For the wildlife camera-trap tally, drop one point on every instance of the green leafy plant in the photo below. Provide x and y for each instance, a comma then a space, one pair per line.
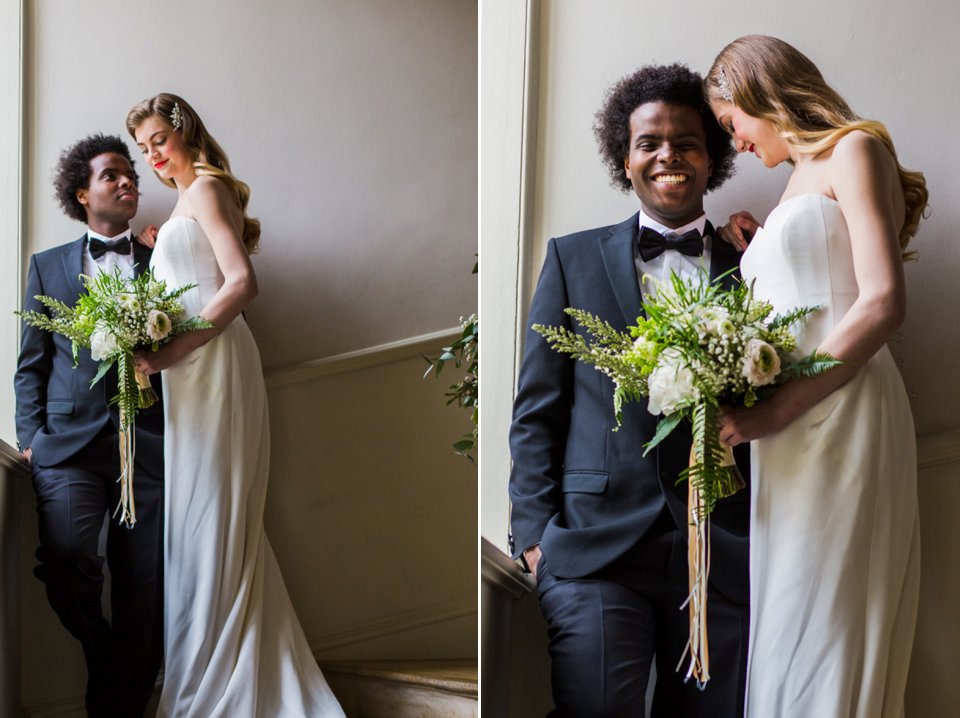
463, 355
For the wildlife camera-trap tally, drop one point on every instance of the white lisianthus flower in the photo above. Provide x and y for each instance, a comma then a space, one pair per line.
711, 317
645, 348
761, 363
726, 328
158, 325
103, 343
670, 384
129, 302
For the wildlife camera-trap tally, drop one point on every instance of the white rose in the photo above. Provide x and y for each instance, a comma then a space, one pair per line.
761, 363
670, 384
103, 343
158, 325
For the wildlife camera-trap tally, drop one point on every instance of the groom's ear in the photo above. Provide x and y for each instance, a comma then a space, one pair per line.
82, 196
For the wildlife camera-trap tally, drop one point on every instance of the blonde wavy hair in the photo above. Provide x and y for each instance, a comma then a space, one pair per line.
772, 80
208, 157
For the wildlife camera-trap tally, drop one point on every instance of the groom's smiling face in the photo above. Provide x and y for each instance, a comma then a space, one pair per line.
668, 164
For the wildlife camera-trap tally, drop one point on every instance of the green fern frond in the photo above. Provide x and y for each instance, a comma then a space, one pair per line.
791, 317
707, 473
813, 364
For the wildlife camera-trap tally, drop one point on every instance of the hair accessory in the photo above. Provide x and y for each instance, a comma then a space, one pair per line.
176, 117
722, 85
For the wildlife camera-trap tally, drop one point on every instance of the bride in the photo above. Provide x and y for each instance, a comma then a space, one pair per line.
233, 644
835, 552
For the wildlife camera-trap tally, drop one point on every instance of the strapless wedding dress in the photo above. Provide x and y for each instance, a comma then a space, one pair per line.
834, 534
234, 647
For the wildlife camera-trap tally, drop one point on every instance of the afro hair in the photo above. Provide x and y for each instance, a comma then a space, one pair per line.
73, 170
675, 84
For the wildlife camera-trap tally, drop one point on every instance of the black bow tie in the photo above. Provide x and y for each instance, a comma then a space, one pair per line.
653, 244
98, 247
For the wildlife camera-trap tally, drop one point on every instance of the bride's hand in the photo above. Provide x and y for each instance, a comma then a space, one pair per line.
166, 356
148, 237
740, 424
150, 362
739, 230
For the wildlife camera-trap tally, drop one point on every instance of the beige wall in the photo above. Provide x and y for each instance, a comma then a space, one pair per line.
932, 689
355, 125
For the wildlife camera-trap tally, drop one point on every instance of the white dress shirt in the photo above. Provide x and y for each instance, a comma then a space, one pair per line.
109, 260
659, 267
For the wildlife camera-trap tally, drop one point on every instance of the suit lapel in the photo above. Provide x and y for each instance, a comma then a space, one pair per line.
723, 257
616, 249
73, 265
141, 257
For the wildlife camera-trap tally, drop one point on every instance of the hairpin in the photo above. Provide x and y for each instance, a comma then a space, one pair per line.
176, 117
722, 85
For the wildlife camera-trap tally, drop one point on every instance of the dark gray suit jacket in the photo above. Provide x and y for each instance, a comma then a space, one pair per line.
583, 492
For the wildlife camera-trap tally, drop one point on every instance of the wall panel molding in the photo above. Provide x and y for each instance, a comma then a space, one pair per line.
393, 623
936, 449
361, 359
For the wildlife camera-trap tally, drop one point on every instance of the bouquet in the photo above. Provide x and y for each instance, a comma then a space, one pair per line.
114, 317
697, 347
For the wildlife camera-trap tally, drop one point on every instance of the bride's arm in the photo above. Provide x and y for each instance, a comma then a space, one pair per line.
211, 204
865, 181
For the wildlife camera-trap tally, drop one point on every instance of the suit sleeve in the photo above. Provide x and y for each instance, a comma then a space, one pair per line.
541, 413
33, 366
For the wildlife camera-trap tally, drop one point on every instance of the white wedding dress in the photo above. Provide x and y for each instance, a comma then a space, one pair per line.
834, 535
234, 647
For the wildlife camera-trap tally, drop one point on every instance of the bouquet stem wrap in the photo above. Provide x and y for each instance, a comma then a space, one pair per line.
712, 474
126, 508
140, 395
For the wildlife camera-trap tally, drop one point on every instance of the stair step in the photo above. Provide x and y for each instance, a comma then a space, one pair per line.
405, 689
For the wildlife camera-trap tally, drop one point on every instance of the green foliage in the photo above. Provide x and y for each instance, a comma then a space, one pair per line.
813, 364
708, 473
463, 353
114, 311
698, 345
610, 352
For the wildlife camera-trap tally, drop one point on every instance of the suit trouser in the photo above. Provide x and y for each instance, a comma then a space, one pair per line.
606, 630
123, 656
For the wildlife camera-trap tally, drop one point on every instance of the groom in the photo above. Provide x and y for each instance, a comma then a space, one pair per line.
68, 436
602, 527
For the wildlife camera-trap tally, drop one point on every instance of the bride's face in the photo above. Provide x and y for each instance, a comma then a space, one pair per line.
751, 134
163, 148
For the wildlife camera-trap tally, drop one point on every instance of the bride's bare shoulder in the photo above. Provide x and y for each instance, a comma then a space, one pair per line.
206, 193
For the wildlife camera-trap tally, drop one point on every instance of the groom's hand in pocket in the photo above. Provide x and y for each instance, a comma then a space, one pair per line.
531, 557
